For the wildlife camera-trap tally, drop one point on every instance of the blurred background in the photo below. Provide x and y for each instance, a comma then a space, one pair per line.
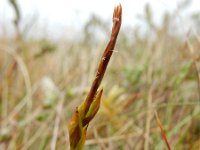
49, 52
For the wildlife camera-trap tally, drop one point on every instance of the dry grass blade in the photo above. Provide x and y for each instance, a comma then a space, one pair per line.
88, 109
162, 130
194, 62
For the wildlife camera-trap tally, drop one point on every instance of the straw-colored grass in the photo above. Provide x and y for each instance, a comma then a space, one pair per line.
153, 69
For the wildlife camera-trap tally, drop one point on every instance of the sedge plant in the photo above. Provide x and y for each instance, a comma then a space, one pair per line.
86, 111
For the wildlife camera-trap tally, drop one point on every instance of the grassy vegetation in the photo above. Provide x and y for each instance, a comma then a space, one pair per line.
42, 82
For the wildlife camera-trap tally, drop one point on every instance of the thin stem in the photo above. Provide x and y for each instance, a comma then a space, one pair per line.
117, 17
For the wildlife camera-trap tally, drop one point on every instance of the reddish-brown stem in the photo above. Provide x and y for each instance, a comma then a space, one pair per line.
117, 17
162, 131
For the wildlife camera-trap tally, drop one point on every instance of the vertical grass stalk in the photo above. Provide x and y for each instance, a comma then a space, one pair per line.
86, 111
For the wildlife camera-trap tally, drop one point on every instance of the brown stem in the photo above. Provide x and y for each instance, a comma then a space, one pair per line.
117, 18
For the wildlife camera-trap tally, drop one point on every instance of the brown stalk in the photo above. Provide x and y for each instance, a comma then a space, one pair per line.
117, 18
162, 131
86, 111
